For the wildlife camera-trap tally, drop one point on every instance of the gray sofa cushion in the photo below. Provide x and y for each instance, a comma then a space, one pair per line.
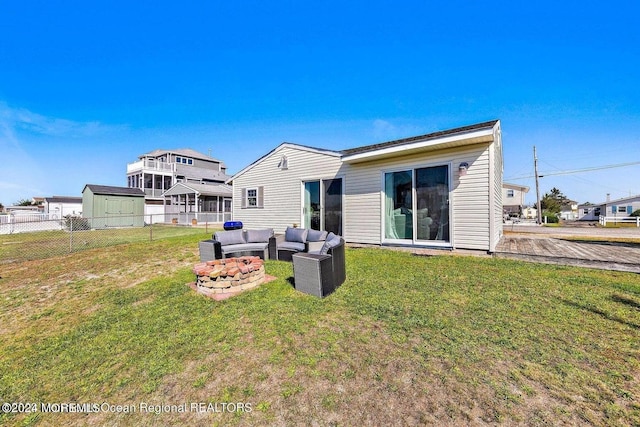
292, 246
244, 247
296, 234
231, 237
259, 236
331, 242
316, 236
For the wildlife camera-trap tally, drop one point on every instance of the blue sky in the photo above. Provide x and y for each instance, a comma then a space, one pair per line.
87, 86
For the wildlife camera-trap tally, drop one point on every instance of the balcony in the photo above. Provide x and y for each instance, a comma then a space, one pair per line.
150, 165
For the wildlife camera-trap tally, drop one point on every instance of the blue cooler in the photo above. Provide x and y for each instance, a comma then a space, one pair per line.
232, 225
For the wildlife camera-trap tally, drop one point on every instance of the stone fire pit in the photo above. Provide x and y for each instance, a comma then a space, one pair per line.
226, 277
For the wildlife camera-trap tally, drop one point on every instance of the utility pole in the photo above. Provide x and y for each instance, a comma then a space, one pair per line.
535, 169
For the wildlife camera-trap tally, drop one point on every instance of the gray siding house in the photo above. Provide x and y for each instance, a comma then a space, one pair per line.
620, 208
442, 189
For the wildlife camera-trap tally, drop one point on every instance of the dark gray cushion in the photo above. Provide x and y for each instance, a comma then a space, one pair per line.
296, 234
331, 242
316, 236
244, 247
232, 237
292, 246
259, 236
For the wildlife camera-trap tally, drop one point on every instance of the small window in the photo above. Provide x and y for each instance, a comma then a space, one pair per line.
510, 193
596, 211
189, 161
178, 159
252, 197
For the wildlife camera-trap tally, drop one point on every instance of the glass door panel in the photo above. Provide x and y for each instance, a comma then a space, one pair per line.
312, 205
432, 203
398, 205
332, 205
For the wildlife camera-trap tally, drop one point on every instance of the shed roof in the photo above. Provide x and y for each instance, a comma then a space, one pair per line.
114, 191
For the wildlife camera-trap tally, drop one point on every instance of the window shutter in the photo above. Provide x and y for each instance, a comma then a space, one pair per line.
614, 209
260, 197
629, 209
244, 198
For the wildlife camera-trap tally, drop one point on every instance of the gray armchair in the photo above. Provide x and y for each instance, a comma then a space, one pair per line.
321, 273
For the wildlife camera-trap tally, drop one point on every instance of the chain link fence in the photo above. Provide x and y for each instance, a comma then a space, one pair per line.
37, 236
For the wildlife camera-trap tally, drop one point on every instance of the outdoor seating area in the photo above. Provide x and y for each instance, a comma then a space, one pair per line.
318, 257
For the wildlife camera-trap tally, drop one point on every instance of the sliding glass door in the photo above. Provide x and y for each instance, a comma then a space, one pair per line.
416, 207
322, 208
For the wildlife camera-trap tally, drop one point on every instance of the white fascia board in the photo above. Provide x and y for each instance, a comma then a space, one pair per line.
484, 135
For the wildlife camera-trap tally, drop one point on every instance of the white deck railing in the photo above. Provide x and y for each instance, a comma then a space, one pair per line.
604, 220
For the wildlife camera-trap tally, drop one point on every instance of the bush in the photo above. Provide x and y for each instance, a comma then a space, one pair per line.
635, 213
551, 218
76, 223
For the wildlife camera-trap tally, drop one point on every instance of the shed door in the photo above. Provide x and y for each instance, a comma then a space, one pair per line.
119, 212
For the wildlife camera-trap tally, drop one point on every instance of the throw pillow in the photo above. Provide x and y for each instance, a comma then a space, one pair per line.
331, 242
316, 236
296, 234
259, 236
232, 237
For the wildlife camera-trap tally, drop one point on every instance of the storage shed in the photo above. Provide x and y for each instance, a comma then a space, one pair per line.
108, 207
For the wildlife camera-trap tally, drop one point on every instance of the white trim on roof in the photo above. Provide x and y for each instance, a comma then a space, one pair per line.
469, 138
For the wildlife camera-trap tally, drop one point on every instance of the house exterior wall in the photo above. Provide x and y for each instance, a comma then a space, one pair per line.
619, 208
470, 195
282, 189
496, 165
475, 199
516, 200
62, 209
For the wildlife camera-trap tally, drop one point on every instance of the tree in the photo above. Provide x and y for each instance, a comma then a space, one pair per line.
553, 201
23, 202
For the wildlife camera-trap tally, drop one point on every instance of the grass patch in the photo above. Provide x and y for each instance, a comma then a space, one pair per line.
440, 340
45, 244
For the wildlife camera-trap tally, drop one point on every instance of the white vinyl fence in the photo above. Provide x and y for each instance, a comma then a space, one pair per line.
604, 220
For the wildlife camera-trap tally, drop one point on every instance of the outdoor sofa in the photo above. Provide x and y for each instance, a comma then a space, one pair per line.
238, 243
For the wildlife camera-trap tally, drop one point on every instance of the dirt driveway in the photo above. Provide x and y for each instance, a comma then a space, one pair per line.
551, 245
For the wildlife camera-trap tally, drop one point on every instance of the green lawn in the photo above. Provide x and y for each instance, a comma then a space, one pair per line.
406, 340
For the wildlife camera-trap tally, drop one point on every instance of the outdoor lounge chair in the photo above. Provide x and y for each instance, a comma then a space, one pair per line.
322, 272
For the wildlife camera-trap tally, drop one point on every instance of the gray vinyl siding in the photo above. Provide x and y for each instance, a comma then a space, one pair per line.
282, 189
469, 202
496, 197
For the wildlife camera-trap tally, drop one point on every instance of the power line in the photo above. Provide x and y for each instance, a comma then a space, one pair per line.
569, 172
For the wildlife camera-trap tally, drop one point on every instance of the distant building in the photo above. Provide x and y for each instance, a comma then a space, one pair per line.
181, 180
623, 207
530, 213
513, 198
61, 206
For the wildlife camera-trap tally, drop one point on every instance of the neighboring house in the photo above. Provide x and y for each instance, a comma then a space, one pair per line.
107, 206
513, 198
530, 213
59, 206
611, 208
569, 211
158, 172
443, 189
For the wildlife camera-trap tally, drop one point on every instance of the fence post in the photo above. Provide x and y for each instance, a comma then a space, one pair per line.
151, 228
70, 234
